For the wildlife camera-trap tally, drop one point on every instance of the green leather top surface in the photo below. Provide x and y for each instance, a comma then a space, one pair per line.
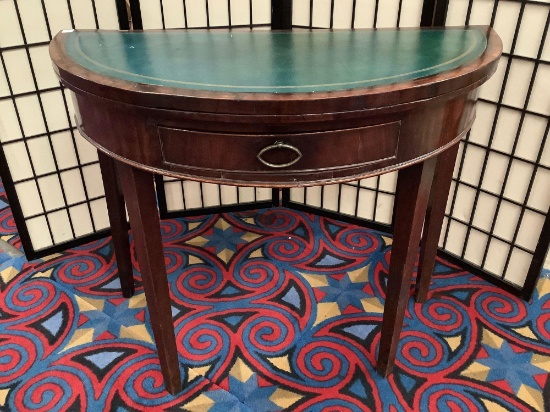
274, 62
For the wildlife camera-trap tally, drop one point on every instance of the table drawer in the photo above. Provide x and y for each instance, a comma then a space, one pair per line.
188, 149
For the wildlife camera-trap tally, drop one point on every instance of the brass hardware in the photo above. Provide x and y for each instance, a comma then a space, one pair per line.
279, 145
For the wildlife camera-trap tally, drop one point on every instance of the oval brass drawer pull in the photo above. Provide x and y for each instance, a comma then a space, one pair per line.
279, 145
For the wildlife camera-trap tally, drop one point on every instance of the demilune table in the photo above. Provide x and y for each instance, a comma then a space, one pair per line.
276, 109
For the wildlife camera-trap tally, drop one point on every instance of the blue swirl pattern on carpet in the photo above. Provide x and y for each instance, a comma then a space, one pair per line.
273, 309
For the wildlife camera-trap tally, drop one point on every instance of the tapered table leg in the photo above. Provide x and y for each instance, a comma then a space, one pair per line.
435, 213
119, 226
139, 192
413, 189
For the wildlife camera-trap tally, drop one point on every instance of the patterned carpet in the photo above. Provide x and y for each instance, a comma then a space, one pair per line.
273, 309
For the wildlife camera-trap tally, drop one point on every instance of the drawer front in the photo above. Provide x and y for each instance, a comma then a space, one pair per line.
284, 153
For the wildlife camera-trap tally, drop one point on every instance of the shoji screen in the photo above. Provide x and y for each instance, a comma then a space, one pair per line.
370, 199
55, 174
181, 197
501, 190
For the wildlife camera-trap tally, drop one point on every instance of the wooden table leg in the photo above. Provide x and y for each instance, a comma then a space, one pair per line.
139, 192
119, 226
435, 213
413, 189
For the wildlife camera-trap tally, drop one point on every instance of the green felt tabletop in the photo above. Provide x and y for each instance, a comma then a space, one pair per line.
274, 62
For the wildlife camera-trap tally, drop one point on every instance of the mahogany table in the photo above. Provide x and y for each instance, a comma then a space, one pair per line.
276, 109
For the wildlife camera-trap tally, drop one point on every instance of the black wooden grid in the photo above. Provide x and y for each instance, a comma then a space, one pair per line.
434, 13
38, 179
512, 158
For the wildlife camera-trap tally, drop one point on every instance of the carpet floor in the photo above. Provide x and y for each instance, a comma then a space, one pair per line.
273, 309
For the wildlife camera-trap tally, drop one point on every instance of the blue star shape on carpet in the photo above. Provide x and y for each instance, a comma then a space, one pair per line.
344, 292
123, 313
224, 239
225, 402
112, 318
252, 395
515, 368
100, 323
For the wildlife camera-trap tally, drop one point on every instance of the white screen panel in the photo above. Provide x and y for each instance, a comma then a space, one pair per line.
313, 196
174, 19
29, 198
240, 12
34, 21
83, 14
246, 194
42, 64
61, 226
486, 209
82, 222
192, 194
531, 30
210, 195
263, 194
481, 12
300, 12
261, 12
71, 179
10, 32
151, 14
531, 138
58, 15
456, 237
477, 242
107, 14
52, 102
494, 173
539, 197
92, 179
520, 173
540, 98
342, 14
18, 161
495, 261
330, 197
218, 11
505, 23
39, 232
367, 203
63, 149
52, 194
518, 83
19, 71
411, 11
321, 13
506, 129
526, 238
99, 213
297, 194
519, 265
348, 199
174, 195
481, 129
387, 13
9, 126
365, 14
507, 220
41, 155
